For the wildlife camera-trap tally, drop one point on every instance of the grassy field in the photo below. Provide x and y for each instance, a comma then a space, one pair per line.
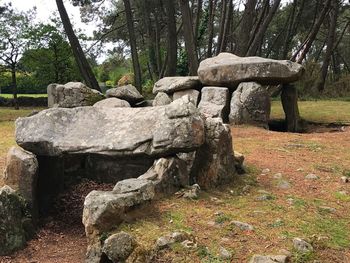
317, 210
327, 111
10, 96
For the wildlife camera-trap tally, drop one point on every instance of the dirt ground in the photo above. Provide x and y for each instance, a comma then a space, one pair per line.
317, 210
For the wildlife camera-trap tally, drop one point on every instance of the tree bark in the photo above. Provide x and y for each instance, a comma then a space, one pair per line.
198, 19
227, 26
308, 43
172, 39
246, 27
212, 4
222, 25
83, 65
333, 15
189, 37
133, 47
289, 98
262, 30
14, 86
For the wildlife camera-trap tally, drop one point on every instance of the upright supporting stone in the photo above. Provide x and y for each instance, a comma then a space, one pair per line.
15, 225
215, 102
289, 98
250, 104
21, 174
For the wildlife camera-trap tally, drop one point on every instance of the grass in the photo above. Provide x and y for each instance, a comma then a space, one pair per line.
324, 111
10, 96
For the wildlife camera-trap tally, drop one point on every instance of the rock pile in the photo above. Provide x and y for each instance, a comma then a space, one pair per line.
225, 78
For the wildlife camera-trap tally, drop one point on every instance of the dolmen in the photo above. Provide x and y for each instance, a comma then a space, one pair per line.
233, 88
147, 149
147, 152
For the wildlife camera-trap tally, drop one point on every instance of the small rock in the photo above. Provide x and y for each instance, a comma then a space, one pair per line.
327, 209
188, 244
193, 192
311, 177
170, 239
300, 170
118, 247
283, 184
242, 225
277, 176
265, 197
301, 245
163, 242
265, 171
344, 179
269, 259
225, 254
216, 200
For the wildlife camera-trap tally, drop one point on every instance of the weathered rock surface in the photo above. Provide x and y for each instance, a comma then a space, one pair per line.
194, 95
71, 95
105, 210
250, 104
112, 103
21, 173
242, 225
15, 225
301, 245
215, 102
171, 84
176, 237
118, 247
127, 92
152, 131
142, 187
214, 163
161, 99
168, 175
229, 70
239, 160
269, 259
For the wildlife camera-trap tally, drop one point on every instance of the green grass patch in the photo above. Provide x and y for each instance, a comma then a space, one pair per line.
336, 231
10, 96
323, 111
10, 114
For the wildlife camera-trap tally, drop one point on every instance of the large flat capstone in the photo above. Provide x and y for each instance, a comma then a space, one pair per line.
152, 131
229, 70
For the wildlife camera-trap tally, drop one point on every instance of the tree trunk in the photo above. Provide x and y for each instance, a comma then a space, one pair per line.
198, 19
333, 15
189, 37
151, 37
308, 43
246, 27
212, 4
262, 30
227, 27
133, 47
222, 25
289, 98
289, 26
83, 65
172, 39
14, 87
